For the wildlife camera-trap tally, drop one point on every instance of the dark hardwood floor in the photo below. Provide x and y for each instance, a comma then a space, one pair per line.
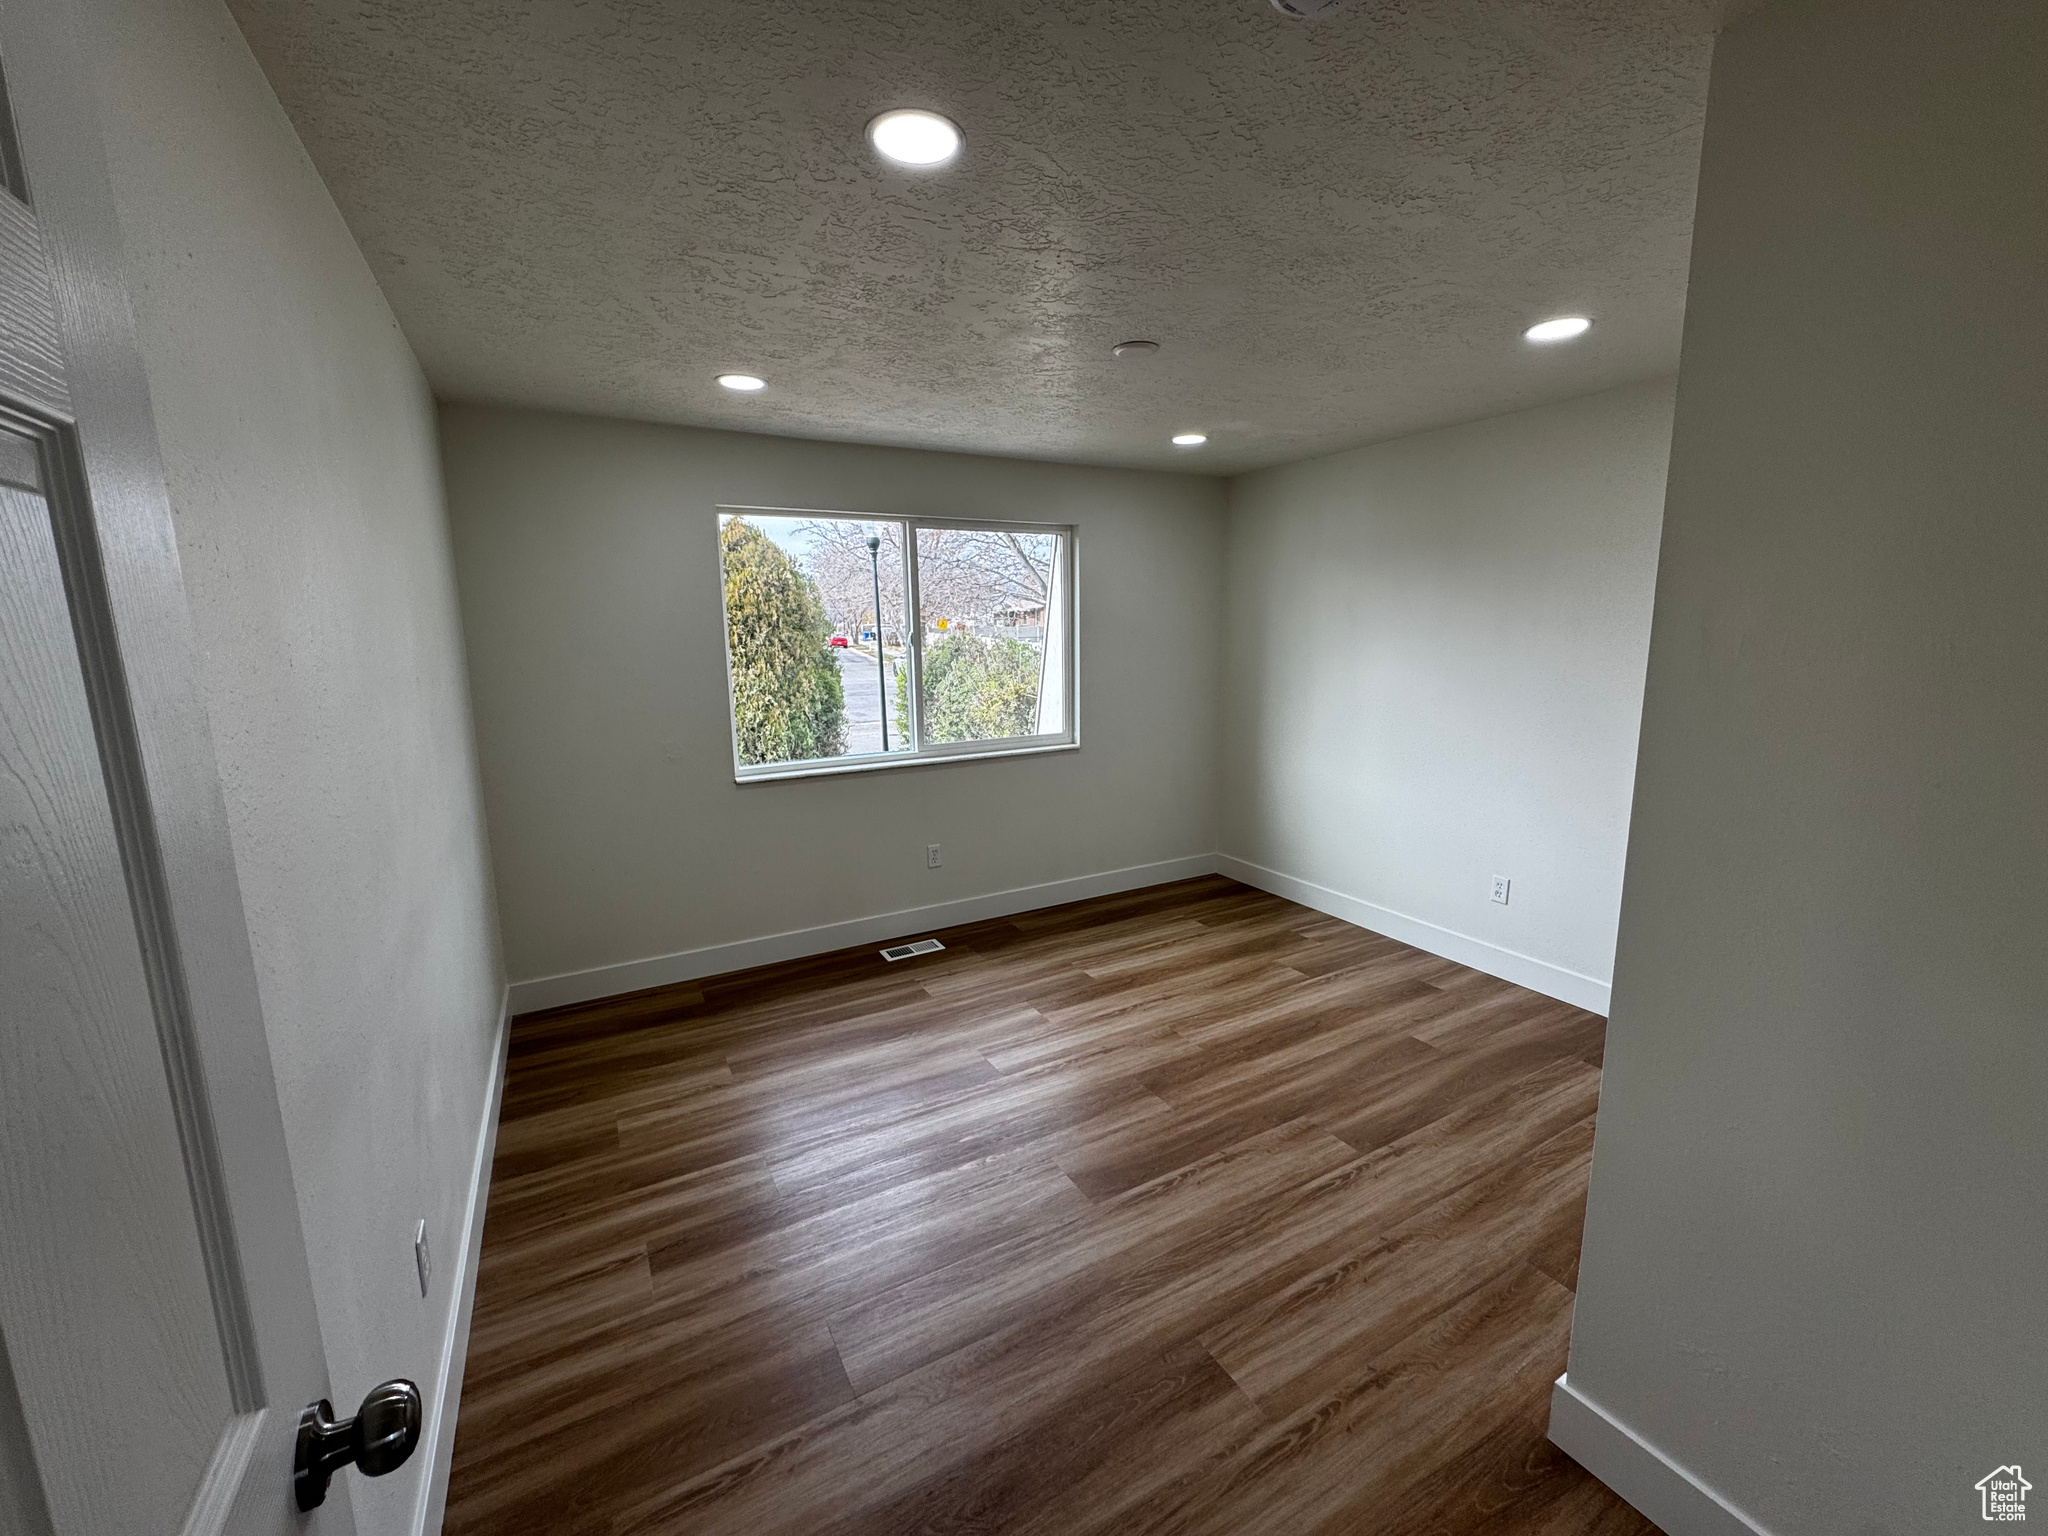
1189, 1210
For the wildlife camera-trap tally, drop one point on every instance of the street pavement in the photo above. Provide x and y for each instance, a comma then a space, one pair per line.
863, 702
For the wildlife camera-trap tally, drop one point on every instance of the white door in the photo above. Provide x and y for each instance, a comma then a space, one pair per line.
158, 1341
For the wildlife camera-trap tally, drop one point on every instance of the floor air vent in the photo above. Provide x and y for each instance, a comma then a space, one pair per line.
905, 951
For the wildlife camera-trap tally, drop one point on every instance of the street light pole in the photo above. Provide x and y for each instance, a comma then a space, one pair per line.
881, 666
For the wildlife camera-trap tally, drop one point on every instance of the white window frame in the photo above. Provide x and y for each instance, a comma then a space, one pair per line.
921, 753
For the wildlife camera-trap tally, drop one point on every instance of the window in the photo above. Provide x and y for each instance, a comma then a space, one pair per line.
860, 642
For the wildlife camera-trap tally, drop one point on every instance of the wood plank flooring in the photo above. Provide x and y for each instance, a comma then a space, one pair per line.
1184, 1211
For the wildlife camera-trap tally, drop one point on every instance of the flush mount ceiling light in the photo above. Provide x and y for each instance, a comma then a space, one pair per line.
1563, 328
1189, 439
745, 383
1134, 351
911, 137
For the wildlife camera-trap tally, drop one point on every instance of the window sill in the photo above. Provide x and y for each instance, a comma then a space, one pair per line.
885, 765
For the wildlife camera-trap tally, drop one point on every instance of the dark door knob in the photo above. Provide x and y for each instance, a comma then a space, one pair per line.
378, 1439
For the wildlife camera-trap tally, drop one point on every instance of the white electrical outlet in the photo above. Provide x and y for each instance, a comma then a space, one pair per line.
422, 1260
931, 856
1500, 889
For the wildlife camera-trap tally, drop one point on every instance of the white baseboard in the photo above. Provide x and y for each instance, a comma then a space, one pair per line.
1659, 1488
717, 959
1509, 965
439, 1433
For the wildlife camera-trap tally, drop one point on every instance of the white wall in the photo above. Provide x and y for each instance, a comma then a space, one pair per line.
1816, 1264
588, 557
298, 436
1435, 672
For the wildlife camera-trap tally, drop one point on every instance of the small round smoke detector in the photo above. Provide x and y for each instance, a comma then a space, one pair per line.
1134, 351
1308, 10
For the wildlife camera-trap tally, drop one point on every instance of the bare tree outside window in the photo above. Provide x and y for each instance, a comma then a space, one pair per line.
836, 555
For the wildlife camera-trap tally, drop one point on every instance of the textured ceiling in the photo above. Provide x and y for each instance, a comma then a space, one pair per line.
1336, 229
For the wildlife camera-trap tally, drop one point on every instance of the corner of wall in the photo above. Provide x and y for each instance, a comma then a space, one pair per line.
1676, 1501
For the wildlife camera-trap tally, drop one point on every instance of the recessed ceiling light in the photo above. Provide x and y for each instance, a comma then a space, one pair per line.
1134, 351
910, 137
745, 383
1563, 328
1189, 439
